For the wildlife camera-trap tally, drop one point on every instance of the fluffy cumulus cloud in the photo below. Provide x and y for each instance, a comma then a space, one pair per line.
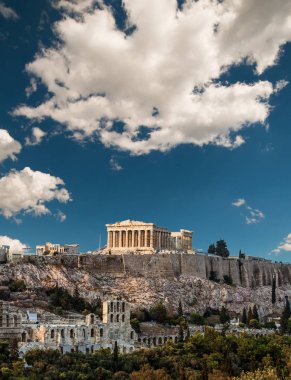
284, 246
37, 136
160, 76
15, 245
28, 191
7, 12
8, 146
250, 214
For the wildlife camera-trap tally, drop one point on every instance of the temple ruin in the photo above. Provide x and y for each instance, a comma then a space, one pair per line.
132, 236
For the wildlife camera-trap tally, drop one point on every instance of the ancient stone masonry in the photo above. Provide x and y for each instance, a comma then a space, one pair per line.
10, 322
246, 273
131, 235
82, 334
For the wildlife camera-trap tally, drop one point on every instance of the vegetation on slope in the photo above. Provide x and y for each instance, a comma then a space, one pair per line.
210, 357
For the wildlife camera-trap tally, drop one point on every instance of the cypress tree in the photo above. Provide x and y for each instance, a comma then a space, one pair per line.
115, 356
181, 334
250, 315
285, 316
180, 309
273, 290
244, 317
255, 313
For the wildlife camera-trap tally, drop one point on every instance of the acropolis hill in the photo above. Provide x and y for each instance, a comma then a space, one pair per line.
143, 263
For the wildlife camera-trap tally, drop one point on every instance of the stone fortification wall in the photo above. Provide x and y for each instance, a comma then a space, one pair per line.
247, 273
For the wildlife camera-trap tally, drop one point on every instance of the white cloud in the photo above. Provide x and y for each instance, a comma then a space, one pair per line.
255, 216
115, 165
285, 245
15, 245
8, 146
239, 202
7, 12
31, 88
28, 191
251, 215
164, 76
36, 137
61, 217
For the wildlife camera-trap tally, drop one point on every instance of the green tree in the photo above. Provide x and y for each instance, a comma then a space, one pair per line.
181, 334
244, 317
250, 315
197, 319
115, 355
255, 313
273, 290
158, 312
180, 309
285, 316
211, 249
223, 315
221, 248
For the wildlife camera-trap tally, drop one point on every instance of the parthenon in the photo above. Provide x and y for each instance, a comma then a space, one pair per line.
131, 235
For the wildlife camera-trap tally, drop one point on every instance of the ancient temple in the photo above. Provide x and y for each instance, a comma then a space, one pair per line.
132, 236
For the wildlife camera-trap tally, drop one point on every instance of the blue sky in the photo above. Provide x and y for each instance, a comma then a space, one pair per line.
146, 112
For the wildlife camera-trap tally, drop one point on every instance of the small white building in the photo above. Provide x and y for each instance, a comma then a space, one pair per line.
52, 248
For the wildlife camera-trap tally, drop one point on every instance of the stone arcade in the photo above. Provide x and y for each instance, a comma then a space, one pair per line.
132, 236
82, 334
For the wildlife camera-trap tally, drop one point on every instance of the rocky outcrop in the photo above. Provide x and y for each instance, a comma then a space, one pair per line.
150, 281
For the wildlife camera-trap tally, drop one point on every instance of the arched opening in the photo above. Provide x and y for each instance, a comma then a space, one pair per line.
84, 333
176, 339
131, 335
117, 306
154, 341
122, 317
144, 340
123, 307
62, 333
160, 340
111, 318
92, 349
72, 334
117, 318
7, 320
92, 319
101, 333
111, 307
15, 320
52, 334
149, 341
92, 333
87, 350
23, 337
165, 339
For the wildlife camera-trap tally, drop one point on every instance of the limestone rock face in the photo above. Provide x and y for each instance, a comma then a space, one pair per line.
196, 293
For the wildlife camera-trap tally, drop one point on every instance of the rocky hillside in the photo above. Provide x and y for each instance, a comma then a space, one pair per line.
195, 293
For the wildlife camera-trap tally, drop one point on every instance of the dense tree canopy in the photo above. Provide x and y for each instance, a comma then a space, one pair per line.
212, 356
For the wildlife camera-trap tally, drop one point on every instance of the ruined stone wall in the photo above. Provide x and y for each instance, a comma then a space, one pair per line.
247, 273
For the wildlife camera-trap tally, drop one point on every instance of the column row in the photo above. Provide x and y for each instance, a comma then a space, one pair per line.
129, 238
